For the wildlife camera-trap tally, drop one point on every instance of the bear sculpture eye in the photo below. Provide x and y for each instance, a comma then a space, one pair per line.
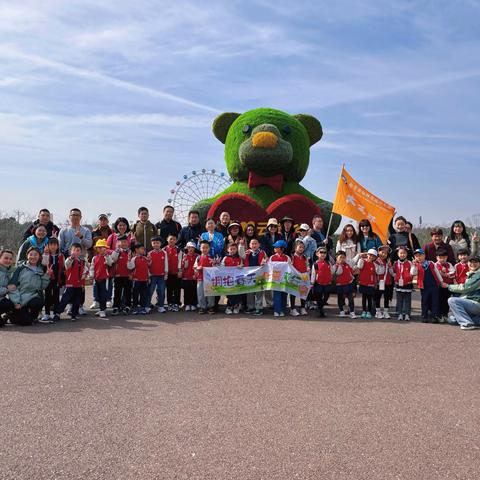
286, 129
247, 129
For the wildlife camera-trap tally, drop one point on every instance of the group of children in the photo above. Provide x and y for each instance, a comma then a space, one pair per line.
137, 275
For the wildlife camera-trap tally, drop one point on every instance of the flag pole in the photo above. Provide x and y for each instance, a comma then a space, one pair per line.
333, 205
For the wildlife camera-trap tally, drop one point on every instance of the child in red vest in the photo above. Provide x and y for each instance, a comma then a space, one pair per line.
139, 265
122, 293
447, 271
99, 271
321, 279
385, 282
255, 257
279, 298
76, 271
232, 259
301, 264
403, 270
369, 270
55, 263
202, 261
343, 275
461, 268
189, 282
429, 282
158, 267
174, 257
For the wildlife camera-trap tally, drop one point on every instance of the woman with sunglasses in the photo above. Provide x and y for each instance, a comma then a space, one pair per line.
367, 238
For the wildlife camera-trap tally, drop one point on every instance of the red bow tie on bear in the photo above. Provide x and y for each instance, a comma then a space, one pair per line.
275, 182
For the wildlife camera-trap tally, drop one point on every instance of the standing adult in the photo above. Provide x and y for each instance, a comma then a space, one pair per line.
103, 231
402, 238
437, 244
191, 232
223, 223
458, 238
75, 233
270, 236
288, 233
250, 233
235, 235
38, 240
214, 238
318, 234
367, 238
143, 229
348, 243
120, 227
44, 218
168, 226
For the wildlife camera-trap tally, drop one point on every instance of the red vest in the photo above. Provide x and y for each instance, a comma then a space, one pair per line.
73, 275
387, 275
421, 274
248, 254
346, 277
279, 257
121, 269
141, 269
367, 276
323, 272
300, 263
203, 261
402, 270
461, 270
229, 261
157, 262
188, 264
172, 256
100, 268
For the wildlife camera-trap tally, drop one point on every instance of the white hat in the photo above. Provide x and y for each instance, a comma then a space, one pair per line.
372, 251
190, 244
304, 226
272, 221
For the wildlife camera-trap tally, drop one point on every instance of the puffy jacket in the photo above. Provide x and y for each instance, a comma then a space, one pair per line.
30, 281
5, 276
143, 233
471, 288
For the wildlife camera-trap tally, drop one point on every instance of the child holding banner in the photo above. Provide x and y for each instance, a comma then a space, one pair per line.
255, 257
404, 271
203, 260
369, 270
232, 259
321, 279
343, 276
299, 262
279, 298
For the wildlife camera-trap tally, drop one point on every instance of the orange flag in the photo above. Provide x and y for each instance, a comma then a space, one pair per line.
355, 201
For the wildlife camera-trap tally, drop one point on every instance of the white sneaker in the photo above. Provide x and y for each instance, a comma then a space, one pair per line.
385, 313
161, 310
294, 312
228, 311
102, 314
352, 315
82, 311
45, 319
276, 314
94, 306
109, 304
378, 314
187, 308
342, 314
193, 308
236, 309
281, 314
407, 318
400, 317
147, 309
303, 311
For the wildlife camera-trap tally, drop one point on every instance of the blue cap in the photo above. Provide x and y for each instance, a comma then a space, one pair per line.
280, 244
421, 251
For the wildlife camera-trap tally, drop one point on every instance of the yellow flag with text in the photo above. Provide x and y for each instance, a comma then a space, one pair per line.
355, 201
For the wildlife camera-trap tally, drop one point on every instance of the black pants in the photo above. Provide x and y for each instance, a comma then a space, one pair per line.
73, 295
320, 293
190, 292
5, 306
292, 302
52, 296
101, 286
140, 294
341, 301
387, 295
28, 313
122, 293
367, 303
173, 290
443, 296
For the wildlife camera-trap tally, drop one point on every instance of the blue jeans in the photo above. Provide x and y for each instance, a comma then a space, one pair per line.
102, 293
157, 282
465, 311
109, 291
279, 301
404, 303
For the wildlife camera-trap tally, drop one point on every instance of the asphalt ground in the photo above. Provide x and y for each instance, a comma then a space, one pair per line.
183, 396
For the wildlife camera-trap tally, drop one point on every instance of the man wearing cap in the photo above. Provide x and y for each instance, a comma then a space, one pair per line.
466, 307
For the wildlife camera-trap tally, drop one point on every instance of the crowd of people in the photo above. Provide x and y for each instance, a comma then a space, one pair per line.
131, 265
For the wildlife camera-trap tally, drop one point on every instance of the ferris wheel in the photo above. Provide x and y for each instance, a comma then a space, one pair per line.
193, 187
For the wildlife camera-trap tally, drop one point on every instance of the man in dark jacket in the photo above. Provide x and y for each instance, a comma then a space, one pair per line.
168, 226
43, 219
436, 244
192, 232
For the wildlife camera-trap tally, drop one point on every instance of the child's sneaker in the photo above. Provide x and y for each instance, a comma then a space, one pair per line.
276, 314
202, 311
363, 315
470, 326
135, 311
115, 312
294, 312
109, 304
368, 316
342, 313
73, 318
378, 313
257, 313
400, 318
187, 308
82, 311
236, 309
175, 308
126, 310
146, 310
407, 318
94, 306
228, 311
212, 311
56, 318
45, 319
352, 315
102, 314
193, 308
161, 310
385, 313
281, 314
303, 311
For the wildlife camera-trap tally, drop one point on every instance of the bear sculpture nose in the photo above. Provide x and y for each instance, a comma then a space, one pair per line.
264, 140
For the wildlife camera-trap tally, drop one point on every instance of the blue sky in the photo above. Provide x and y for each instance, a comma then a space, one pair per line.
106, 106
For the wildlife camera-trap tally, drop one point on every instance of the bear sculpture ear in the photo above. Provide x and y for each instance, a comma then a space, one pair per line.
313, 126
222, 124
